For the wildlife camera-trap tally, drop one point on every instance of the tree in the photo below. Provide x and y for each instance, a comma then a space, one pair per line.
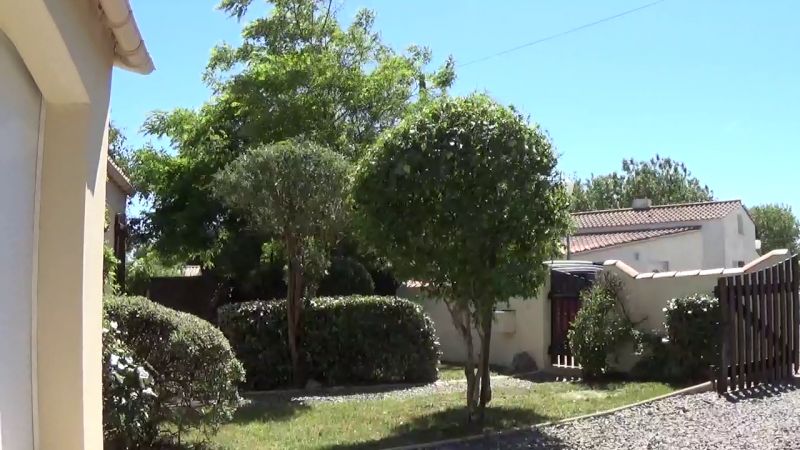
662, 180
118, 149
777, 227
463, 194
294, 190
298, 73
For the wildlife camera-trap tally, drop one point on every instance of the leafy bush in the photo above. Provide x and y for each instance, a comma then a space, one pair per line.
194, 369
346, 340
128, 396
346, 276
600, 326
690, 345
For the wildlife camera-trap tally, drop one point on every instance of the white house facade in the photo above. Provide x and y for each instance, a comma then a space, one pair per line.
669, 237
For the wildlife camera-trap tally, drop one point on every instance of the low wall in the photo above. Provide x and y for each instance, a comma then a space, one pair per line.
523, 325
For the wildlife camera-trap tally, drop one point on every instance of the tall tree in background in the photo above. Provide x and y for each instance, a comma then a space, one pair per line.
293, 191
662, 180
298, 73
464, 196
777, 227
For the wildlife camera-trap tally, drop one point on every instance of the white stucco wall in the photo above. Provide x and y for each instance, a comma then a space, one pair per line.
739, 246
20, 109
682, 251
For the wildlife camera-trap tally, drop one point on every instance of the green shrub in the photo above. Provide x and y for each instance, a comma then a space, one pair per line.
194, 369
346, 276
128, 396
346, 340
600, 326
691, 343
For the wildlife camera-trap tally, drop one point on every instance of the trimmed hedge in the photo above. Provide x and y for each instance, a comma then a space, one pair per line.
194, 370
346, 340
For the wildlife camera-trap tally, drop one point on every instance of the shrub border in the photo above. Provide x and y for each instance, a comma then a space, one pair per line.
696, 389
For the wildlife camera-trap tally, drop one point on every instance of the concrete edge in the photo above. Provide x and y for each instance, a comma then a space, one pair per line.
696, 389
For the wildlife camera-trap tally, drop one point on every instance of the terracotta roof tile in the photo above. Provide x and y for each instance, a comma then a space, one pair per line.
687, 212
594, 241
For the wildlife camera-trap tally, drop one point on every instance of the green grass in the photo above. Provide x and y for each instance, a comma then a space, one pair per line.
451, 371
392, 422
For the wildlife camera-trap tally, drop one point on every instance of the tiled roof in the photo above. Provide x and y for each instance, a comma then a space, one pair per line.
585, 242
687, 212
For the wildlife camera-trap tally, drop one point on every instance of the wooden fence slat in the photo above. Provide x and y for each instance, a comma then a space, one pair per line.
772, 273
755, 328
723, 373
748, 330
788, 317
784, 324
742, 308
795, 290
768, 323
762, 291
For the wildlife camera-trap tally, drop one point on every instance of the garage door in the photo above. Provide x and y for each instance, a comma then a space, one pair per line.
20, 103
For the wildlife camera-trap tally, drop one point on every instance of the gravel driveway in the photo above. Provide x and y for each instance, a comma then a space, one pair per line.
767, 419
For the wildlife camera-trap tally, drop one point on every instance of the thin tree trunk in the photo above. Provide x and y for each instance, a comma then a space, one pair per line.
462, 321
294, 308
483, 369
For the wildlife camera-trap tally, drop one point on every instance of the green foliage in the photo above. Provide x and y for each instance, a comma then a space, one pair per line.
346, 276
662, 180
464, 194
110, 263
118, 149
300, 72
777, 227
600, 326
348, 340
128, 396
193, 367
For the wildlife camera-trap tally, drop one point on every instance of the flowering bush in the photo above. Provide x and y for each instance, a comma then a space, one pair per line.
692, 324
128, 395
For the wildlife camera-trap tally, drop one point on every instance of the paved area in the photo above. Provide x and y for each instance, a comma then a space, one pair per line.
768, 418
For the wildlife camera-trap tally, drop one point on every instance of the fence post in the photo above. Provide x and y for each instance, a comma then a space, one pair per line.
722, 373
795, 299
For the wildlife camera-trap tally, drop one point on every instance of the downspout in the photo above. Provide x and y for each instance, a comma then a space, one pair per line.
130, 50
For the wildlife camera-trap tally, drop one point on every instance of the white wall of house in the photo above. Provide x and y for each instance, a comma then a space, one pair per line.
739, 241
679, 252
20, 109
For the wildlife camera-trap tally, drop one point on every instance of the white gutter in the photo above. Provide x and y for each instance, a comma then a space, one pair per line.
131, 53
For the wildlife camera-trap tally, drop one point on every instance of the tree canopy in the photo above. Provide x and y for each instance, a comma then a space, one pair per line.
777, 227
299, 73
662, 180
463, 195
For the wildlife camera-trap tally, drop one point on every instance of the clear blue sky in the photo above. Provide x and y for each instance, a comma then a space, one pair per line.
713, 84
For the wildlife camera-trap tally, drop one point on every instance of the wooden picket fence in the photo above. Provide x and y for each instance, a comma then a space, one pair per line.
760, 327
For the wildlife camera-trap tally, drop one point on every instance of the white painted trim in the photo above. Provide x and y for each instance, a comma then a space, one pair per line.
35, 276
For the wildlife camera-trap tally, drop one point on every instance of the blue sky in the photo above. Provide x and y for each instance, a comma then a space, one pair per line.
713, 84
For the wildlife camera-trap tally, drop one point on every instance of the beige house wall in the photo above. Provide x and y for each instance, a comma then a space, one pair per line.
680, 252
69, 54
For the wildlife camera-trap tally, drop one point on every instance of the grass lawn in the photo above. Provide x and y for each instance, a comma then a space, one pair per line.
381, 423
450, 371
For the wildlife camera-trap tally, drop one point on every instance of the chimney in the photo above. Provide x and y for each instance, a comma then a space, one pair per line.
641, 204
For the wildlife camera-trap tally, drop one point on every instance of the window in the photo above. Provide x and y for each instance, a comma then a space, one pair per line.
740, 223
738, 263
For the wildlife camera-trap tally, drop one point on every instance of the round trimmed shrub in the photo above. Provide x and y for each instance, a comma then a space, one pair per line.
194, 370
346, 276
128, 396
347, 340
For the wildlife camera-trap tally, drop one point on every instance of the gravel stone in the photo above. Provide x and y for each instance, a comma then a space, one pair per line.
766, 418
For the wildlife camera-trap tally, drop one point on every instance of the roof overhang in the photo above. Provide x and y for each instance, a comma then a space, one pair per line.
129, 48
118, 177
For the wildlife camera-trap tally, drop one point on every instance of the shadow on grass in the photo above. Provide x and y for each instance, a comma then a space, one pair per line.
260, 410
452, 423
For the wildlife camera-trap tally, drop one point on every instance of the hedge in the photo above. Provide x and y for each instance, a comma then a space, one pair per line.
195, 372
347, 340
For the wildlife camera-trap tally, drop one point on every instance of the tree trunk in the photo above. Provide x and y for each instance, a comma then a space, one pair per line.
294, 309
483, 369
462, 321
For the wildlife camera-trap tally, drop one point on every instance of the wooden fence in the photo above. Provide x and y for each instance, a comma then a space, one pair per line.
760, 327
565, 301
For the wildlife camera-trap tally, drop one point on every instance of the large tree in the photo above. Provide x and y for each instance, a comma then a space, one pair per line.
464, 196
298, 73
662, 180
295, 191
777, 227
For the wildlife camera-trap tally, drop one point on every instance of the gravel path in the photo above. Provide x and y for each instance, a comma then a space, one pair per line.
372, 393
768, 419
